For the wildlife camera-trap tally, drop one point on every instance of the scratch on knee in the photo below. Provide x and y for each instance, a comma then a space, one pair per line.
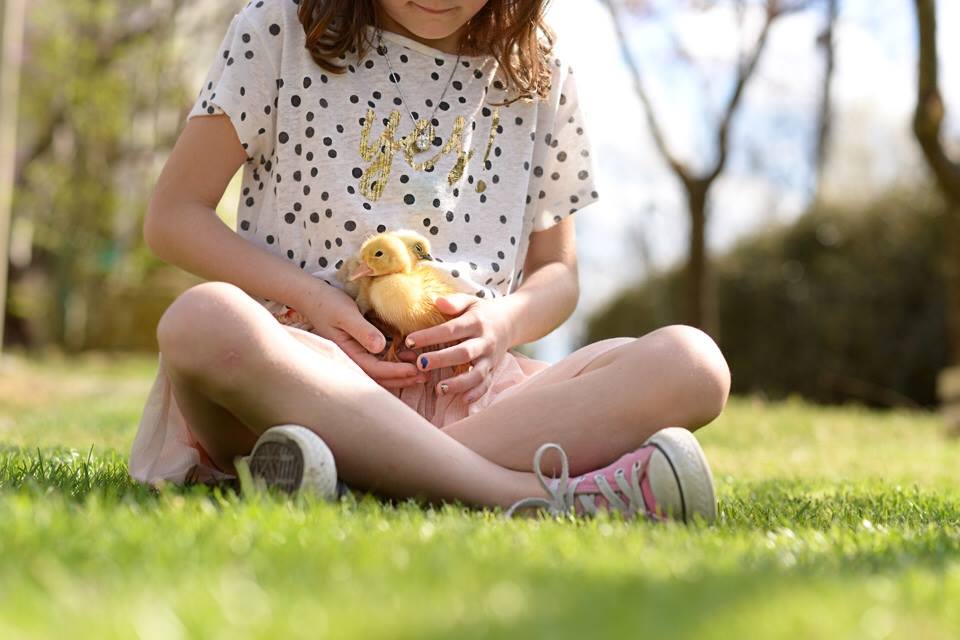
230, 358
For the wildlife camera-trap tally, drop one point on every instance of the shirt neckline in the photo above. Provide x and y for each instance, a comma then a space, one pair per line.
415, 45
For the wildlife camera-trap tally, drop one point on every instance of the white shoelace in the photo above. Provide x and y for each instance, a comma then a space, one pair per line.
560, 498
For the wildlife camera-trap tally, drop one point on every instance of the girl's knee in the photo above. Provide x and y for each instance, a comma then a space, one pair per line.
704, 375
204, 327
217, 335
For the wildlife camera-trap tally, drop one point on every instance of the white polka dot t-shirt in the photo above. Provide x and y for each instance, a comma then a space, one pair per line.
328, 163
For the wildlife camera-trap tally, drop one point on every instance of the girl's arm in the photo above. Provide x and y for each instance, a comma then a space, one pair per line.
550, 289
182, 227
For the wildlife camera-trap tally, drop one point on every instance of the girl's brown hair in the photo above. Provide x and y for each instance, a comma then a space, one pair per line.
512, 31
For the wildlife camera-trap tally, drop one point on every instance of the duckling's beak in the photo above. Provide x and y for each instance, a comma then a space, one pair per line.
427, 256
362, 270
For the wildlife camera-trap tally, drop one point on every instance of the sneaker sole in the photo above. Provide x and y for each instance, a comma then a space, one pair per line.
293, 458
687, 470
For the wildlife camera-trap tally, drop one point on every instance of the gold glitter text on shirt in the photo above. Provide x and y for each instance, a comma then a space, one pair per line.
380, 153
481, 184
493, 134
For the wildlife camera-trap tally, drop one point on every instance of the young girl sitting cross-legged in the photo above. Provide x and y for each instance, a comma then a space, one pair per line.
454, 119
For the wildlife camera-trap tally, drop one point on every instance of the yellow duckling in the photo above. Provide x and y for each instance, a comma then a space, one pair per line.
399, 285
417, 245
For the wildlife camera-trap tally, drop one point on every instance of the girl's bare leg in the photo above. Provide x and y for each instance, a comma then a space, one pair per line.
675, 376
230, 438
229, 357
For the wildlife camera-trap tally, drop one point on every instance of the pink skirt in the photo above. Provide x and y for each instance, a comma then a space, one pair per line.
165, 448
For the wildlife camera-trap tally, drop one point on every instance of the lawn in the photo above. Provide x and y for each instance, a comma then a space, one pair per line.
834, 523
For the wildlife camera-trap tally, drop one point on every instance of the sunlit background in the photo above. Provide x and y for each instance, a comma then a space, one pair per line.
688, 58
94, 134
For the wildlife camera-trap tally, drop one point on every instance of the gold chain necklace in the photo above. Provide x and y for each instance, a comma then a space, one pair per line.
423, 131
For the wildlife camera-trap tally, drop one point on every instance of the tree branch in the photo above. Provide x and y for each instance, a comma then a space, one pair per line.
138, 25
655, 130
825, 117
40, 145
142, 25
929, 114
745, 71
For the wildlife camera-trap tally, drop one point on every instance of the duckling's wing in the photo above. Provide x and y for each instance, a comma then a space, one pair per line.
435, 284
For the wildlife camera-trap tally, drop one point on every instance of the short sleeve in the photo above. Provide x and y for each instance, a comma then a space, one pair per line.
242, 83
561, 182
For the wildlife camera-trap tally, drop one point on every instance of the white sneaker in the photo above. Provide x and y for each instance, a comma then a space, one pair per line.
667, 477
294, 458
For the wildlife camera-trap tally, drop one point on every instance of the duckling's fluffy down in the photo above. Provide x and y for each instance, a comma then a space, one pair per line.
408, 300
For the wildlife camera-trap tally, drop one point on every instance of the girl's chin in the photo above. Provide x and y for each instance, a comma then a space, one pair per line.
436, 35
433, 26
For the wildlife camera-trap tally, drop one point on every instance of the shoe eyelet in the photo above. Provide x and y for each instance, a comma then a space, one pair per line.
620, 473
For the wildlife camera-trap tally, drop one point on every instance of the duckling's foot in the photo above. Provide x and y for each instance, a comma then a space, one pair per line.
396, 340
391, 354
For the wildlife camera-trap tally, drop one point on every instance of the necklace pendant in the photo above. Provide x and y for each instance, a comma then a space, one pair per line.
422, 135
423, 141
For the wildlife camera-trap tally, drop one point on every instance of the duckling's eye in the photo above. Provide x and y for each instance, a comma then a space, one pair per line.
418, 248
378, 253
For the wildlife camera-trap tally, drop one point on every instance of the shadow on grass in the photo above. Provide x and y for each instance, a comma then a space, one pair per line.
762, 600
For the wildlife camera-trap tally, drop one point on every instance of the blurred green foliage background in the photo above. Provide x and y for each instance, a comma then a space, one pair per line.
851, 301
845, 303
105, 88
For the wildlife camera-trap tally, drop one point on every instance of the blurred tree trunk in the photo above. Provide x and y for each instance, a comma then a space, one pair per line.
11, 51
825, 118
701, 303
700, 306
104, 104
927, 124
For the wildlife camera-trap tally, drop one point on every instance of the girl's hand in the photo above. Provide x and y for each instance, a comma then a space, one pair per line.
335, 316
485, 331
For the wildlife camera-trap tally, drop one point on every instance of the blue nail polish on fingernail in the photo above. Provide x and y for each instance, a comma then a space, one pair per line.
423, 362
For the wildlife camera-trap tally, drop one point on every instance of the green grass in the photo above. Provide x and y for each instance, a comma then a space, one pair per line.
839, 523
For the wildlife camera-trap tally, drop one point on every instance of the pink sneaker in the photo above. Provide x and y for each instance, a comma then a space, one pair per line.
668, 477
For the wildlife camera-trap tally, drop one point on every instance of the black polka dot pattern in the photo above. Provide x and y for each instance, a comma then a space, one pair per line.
303, 195
561, 182
241, 82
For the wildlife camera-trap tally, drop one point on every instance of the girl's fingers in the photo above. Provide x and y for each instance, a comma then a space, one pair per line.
407, 355
372, 364
460, 353
399, 383
374, 367
381, 369
477, 391
480, 389
458, 328
469, 381
363, 332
